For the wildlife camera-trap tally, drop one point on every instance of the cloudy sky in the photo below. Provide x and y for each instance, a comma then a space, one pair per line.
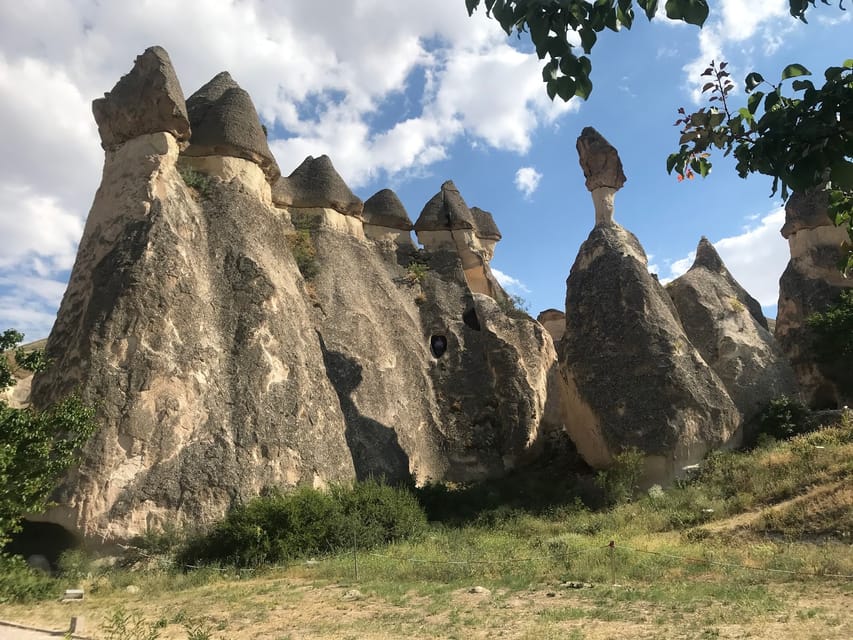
401, 94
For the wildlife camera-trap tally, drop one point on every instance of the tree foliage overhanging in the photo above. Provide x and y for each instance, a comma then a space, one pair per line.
802, 141
36, 447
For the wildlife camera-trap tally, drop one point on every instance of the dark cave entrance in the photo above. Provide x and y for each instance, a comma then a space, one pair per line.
46, 539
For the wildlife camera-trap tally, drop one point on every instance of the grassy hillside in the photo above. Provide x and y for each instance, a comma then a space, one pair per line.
758, 545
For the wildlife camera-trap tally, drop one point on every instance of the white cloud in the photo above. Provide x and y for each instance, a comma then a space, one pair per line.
756, 258
527, 180
737, 21
513, 285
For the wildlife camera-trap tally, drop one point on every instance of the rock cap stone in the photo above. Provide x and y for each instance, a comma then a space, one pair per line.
806, 210
316, 183
599, 160
148, 99
384, 209
484, 224
445, 210
225, 123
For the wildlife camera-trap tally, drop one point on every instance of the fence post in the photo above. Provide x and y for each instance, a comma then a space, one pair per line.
355, 554
612, 547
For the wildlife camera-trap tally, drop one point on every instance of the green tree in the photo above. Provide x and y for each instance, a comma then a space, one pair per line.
36, 447
802, 141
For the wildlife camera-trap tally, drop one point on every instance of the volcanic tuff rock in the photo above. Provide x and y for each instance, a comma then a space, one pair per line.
633, 377
810, 283
218, 370
225, 123
602, 169
316, 183
728, 328
384, 209
146, 100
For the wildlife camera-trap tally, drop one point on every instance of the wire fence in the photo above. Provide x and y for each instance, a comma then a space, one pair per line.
610, 555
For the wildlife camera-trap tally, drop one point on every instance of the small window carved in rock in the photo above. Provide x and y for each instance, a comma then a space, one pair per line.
471, 320
438, 345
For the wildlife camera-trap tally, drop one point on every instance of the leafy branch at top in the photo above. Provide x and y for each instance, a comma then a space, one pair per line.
803, 139
555, 27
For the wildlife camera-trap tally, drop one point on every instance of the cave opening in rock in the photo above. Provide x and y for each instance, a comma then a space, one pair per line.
469, 317
41, 543
438, 345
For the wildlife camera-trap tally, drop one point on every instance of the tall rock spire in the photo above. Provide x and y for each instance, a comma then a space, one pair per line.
602, 169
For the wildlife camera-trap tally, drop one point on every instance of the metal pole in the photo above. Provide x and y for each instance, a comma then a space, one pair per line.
612, 552
355, 554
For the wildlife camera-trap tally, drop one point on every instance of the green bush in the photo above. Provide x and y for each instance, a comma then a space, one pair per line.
784, 418
20, 583
306, 522
621, 480
304, 252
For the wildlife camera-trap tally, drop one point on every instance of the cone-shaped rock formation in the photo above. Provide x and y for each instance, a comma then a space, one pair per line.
634, 378
316, 184
728, 328
225, 123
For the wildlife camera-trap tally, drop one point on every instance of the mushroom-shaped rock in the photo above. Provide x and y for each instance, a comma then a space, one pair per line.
602, 169
384, 209
729, 330
148, 99
484, 225
225, 123
445, 210
316, 183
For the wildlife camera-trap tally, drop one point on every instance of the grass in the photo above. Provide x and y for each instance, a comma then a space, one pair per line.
693, 561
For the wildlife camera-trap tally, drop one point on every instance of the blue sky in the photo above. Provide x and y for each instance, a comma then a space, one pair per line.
401, 94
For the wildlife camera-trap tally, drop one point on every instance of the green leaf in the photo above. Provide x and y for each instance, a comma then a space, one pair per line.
753, 80
471, 6
753, 101
649, 6
588, 39
794, 70
848, 64
584, 87
565, 88
671, 161
841, 175
689, 11
799, 85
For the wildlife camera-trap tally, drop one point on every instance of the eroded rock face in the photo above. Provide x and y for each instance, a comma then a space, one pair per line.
217, 370
149, 99
634, 378
186, 324
471, 410
316, 184
810, 283
225, 123
554, 322
730, 331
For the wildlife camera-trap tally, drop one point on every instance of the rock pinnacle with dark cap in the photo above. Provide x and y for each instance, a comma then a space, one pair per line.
602, 169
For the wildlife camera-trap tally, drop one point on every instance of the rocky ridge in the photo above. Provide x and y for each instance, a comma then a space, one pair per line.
238, 329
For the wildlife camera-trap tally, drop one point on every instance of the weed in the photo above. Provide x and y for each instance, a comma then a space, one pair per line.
514, 306
784, 418
304, 252
201, 183
416, 272
20, 583
123, 625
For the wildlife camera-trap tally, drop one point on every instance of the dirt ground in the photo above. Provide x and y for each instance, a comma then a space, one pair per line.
282, 609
